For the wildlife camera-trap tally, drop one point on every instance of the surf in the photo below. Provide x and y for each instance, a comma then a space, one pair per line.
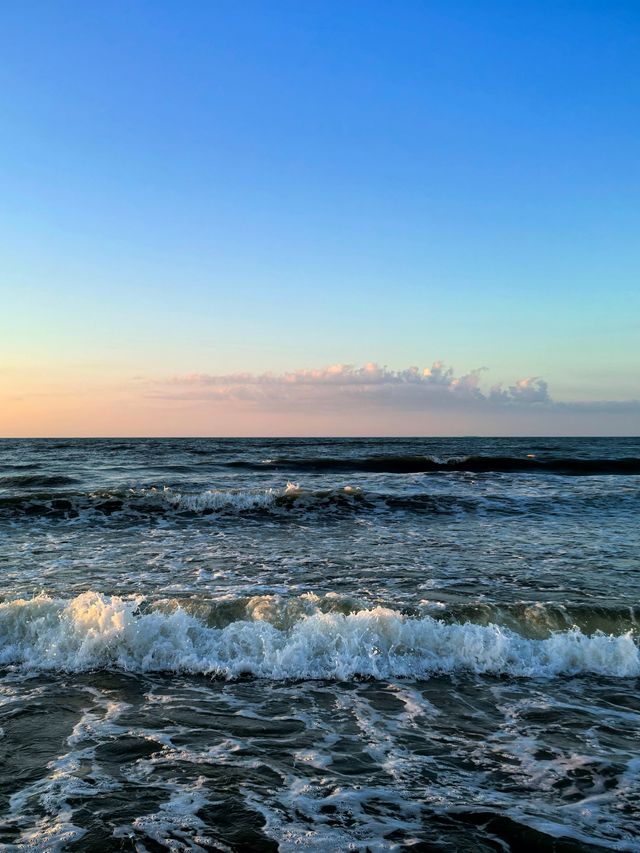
96, 631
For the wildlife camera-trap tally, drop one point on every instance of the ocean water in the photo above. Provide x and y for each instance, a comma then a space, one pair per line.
246, 645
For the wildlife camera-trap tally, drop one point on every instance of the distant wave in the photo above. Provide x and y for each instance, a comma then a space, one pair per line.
94, 631
289, 501
35, 480
425, 464
292, 499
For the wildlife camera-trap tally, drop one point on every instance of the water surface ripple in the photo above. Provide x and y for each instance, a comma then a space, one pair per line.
338, 644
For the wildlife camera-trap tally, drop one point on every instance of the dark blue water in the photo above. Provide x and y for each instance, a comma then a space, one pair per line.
411, 644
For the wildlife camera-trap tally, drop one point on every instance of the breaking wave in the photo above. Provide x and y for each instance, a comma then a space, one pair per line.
290, 501
94, 631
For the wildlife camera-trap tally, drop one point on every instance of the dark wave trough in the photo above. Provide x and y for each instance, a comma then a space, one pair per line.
427, 465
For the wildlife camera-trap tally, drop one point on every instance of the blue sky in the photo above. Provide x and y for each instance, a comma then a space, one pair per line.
207, 188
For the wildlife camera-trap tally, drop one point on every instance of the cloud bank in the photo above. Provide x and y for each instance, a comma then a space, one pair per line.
339, 385
373, 399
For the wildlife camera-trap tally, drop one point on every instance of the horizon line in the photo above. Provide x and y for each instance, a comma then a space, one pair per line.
306, 437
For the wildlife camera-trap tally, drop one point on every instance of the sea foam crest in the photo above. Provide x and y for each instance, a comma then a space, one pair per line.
94, 631
241, 501
221, 500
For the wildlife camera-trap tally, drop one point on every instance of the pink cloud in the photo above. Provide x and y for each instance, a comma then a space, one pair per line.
339, 385
532, 389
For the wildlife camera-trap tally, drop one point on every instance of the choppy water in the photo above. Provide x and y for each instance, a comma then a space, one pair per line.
326, 645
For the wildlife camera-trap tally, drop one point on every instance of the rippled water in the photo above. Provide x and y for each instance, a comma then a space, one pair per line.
410, 644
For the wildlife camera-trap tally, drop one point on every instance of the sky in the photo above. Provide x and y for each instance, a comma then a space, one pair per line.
319, 218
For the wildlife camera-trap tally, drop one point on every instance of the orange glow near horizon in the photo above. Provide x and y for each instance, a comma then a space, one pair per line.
33, 405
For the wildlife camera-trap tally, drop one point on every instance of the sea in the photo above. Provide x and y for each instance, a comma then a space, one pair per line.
320, 644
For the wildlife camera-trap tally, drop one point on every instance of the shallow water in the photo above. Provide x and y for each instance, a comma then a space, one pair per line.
410, 644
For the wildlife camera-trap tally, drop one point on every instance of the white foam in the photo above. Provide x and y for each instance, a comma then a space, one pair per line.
95, 631
244, 500
176, 825
55, 829
239, 501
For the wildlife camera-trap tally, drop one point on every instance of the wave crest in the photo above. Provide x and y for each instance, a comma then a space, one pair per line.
149, 502
94, 631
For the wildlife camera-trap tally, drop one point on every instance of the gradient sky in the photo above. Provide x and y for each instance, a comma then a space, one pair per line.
196, 190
